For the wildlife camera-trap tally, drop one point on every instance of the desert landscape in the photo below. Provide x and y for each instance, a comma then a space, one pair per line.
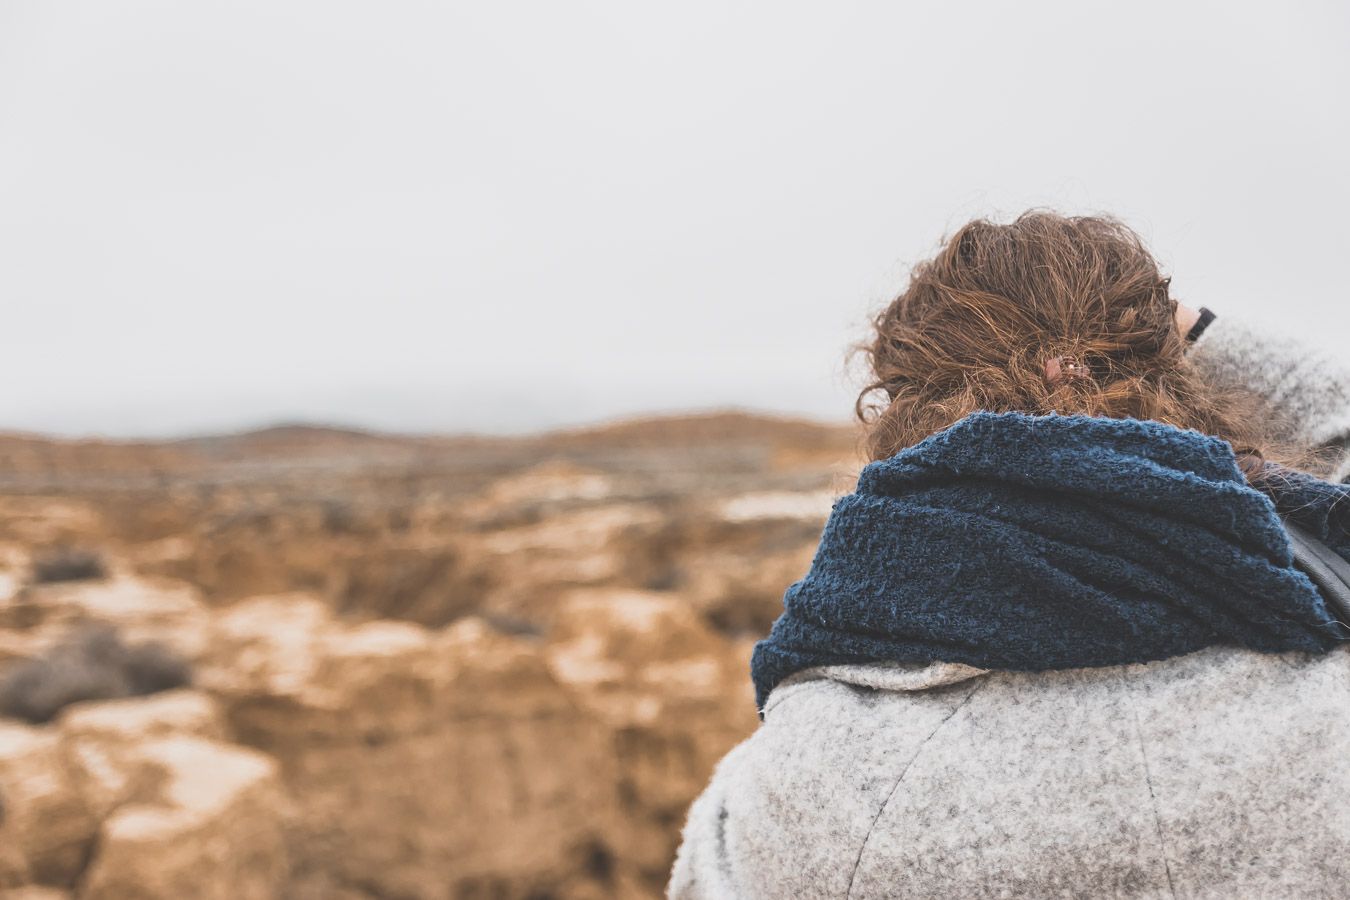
316, 663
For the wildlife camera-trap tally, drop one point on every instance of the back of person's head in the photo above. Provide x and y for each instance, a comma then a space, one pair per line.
1048, 314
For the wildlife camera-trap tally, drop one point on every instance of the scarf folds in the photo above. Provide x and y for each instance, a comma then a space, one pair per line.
1028, 543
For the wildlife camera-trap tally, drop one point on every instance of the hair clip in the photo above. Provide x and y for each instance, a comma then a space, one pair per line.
1065, 368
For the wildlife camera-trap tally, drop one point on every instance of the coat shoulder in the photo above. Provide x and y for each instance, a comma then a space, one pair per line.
1222, 768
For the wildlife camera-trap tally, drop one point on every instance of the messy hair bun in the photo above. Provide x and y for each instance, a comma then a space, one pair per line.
1046, 314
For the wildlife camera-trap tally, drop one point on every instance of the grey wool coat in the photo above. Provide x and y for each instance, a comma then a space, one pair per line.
1223, 773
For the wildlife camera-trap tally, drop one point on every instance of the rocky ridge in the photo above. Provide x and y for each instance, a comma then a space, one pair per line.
415, 673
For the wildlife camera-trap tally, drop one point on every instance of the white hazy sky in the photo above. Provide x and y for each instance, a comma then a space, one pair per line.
501, 216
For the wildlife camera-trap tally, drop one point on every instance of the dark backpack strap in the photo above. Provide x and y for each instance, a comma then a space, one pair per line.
1328, 569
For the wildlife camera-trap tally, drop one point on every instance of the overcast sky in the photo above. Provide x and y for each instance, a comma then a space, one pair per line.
502, 216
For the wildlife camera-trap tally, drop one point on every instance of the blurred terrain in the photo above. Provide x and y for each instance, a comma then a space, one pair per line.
307, 662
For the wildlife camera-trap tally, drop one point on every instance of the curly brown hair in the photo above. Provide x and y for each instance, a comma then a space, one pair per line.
1002, 312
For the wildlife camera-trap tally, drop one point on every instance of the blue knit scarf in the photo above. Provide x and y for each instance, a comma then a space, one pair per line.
1027, 543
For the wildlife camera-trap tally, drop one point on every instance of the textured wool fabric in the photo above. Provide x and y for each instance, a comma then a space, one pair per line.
1223, 773
1028, 543
1308, 389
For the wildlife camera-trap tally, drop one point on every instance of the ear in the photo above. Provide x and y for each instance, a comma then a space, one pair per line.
1186, 318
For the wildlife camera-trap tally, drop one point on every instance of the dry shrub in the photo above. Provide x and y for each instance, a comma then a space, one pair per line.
91, 664
67, 564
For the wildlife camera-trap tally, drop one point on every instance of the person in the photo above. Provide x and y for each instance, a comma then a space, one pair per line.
1058, 641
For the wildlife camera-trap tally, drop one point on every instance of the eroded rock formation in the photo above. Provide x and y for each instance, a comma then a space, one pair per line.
317, 757
420, 667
